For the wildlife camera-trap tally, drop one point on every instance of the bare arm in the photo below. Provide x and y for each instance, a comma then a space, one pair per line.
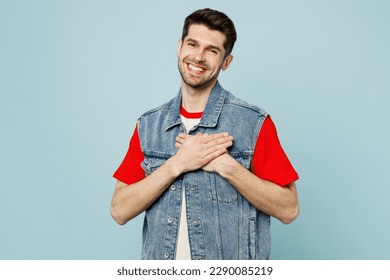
279, 202
129, 201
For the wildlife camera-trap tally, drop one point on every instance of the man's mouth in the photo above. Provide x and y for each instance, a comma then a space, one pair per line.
195, 68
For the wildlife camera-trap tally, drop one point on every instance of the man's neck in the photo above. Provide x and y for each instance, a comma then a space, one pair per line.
194, 99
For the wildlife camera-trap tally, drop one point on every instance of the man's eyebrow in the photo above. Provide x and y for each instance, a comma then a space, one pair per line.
215, 48
210, 46
191, 40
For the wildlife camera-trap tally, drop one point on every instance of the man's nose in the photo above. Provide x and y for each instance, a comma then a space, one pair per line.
200, 55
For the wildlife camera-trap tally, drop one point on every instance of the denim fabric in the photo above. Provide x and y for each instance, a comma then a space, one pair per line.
222, 224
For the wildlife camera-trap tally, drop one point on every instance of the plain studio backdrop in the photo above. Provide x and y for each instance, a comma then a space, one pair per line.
75, 76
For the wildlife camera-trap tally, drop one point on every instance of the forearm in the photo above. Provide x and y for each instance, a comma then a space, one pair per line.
279, 202
129, 201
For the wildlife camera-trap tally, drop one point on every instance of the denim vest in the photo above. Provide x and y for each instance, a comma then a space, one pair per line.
222, 224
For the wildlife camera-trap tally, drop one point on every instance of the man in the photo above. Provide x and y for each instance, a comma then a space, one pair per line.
207, 168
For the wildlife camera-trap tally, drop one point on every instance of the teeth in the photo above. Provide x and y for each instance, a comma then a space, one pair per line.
192, 67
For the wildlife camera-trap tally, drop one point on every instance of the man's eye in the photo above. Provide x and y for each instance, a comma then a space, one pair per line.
191, 44
214, 51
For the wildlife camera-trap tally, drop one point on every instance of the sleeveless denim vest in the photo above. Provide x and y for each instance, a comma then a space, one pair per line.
222, 224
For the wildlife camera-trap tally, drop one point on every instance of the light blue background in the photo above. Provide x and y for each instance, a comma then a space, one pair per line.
75, 75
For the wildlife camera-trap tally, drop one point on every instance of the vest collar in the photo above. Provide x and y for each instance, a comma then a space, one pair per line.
211, 112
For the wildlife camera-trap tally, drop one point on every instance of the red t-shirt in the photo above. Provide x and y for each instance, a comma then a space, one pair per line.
269, 160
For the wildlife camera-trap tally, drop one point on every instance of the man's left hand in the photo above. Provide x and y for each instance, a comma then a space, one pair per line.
216, 165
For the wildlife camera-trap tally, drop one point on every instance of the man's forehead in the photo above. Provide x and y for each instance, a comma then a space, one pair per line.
201, 33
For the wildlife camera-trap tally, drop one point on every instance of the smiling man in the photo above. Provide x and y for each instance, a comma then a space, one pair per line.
206, 167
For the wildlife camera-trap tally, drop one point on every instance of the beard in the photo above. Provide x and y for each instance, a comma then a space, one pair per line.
191, 81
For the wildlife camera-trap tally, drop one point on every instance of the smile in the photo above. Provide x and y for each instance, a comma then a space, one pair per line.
196, 68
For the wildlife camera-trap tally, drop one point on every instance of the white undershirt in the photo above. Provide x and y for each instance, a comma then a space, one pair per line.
183, 251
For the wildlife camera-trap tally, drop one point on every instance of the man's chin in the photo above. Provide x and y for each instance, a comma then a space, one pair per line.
199, 84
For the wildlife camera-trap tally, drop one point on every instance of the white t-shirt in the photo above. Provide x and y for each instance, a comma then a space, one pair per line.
183, 251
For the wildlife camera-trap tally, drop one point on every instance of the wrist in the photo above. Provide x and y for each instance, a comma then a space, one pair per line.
173, 167
229, 169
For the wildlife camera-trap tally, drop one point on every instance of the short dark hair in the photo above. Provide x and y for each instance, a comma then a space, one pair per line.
214, 20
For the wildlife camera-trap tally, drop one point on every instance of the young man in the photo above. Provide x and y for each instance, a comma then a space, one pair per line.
207, 167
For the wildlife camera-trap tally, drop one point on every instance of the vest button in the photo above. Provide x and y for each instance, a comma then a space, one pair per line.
170, 220
166, 255
173, 187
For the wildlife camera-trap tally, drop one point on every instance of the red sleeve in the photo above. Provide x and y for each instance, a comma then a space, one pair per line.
269, 160
130, 170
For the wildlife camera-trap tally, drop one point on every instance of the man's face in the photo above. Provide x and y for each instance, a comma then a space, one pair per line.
201, 56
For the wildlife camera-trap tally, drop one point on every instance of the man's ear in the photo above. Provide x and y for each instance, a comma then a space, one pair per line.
179, 47
227, 62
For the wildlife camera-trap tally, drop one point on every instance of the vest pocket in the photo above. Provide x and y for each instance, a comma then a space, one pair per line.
222, 191
244, 160
151, 163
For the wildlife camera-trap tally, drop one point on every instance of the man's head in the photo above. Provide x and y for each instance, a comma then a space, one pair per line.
213, 20
204, 49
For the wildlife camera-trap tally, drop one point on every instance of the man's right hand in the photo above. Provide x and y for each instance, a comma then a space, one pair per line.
195, 151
